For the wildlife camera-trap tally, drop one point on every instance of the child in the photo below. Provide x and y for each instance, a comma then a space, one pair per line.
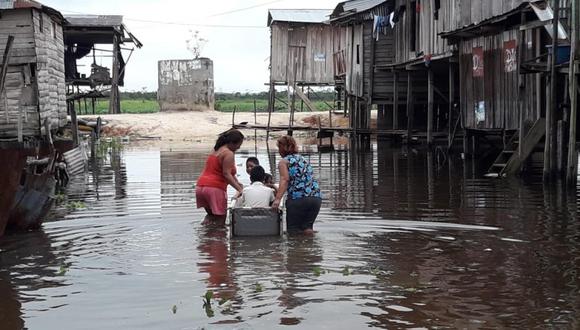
269, 182
257, 194
251, 162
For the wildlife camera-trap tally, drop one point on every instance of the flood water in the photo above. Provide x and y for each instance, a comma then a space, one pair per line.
405, 239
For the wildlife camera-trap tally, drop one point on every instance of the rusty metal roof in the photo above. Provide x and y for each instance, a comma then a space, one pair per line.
95, 20
314, 16
23, 4
354, 7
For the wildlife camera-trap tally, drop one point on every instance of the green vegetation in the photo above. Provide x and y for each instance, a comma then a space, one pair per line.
75, 205
146, 102
129, 106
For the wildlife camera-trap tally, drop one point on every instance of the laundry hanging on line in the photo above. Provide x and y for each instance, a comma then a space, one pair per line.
379, 22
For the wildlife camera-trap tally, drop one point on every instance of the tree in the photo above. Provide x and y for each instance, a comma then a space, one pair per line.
195, 44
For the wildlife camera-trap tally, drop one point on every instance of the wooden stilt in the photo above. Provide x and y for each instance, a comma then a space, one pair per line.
395, 100
410, 110
115, 101
430, 107
550, 151
74, 124
451, 103
572, 166
271, 103
521, 87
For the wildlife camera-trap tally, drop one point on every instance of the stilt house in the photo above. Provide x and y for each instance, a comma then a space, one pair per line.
504, 51
33, 86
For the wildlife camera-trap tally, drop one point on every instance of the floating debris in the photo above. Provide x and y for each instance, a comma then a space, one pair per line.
174, 309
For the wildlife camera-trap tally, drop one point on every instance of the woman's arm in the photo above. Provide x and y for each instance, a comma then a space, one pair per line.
283, 186
227, 164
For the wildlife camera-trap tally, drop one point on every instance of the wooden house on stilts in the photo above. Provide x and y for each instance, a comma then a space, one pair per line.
513, 85
397, 62
32, 108
301, 54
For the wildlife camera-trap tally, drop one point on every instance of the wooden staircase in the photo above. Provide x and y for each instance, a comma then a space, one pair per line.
510, 160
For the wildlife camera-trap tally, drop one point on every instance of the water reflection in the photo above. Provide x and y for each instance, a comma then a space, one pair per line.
407, 238
31, 262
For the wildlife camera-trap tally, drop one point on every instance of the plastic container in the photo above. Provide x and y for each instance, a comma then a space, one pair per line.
562, 54
255, 222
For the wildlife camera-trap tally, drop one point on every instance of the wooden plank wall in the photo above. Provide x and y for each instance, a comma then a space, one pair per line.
319, 42
19, 98
307, 42
50, 69
428, 40
498, 89
278, 52
354, 69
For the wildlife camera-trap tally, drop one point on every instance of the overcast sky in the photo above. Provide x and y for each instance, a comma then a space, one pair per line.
240, 55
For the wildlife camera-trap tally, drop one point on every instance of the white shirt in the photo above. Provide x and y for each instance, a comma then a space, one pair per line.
257, 195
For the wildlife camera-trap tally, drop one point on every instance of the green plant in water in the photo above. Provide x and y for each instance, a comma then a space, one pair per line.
76, 205
62, 270
59, 197
346, 271
258, 288
223, 301
318, 271
207, 297
376, 271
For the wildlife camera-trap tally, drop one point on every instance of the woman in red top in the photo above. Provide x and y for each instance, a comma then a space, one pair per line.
219, 171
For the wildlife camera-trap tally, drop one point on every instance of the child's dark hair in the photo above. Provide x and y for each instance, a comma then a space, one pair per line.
257, 174
268, 177
253, 160
227, 137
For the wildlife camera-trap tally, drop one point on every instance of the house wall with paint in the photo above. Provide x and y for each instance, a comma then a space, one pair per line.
186, 85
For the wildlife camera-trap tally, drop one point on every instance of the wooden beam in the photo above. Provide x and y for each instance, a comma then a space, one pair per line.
451, 103
74, 124
572, 166
430, 106
271, 103
395, 100
549, 150
371, 72
410, 109
5, 60
115, 102
521, 85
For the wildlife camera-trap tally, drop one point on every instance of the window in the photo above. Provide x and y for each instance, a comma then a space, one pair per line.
357, 54
53, 30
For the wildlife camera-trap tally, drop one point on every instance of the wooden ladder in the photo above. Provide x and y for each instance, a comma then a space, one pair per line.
510, 160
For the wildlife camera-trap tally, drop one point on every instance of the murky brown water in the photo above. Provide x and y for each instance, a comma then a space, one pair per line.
405, 240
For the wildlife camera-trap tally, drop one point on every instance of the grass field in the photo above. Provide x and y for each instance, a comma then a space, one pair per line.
247, 105
128, 106
241, 105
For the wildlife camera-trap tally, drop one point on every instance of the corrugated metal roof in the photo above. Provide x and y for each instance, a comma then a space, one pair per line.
23, 4
95, 20
298, 15
353, 7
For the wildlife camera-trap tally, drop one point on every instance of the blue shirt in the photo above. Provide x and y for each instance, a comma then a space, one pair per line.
301, 182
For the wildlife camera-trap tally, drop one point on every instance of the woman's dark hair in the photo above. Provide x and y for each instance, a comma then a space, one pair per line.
257, 174
227, 137
253, 160
287, 145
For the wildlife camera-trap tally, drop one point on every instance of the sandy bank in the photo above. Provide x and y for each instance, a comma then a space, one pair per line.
200, 126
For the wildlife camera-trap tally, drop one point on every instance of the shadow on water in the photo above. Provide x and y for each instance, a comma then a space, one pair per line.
407, 238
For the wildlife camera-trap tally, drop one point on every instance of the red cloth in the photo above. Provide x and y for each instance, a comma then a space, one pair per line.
211, 198
212, 175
